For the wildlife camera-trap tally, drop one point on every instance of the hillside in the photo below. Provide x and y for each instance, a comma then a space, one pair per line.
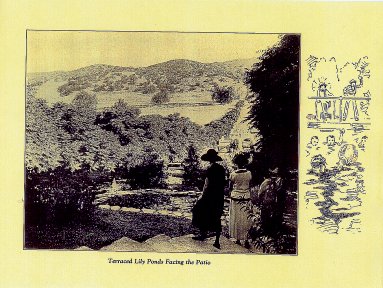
186, 82
173, 76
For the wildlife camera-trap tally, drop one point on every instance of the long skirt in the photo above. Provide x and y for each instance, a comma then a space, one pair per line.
207, 215
239, 222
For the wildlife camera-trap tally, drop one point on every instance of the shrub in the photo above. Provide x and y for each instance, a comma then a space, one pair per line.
74, 84
146, 174
222, 127
160, 97
148, 88
58, 195
222, 95
192, 177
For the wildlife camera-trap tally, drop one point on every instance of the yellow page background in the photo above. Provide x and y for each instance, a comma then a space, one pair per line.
347, 31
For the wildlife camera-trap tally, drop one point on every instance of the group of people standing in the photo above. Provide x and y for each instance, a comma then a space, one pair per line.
208, 210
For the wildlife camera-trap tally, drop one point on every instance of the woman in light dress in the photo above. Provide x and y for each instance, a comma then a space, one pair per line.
239, 222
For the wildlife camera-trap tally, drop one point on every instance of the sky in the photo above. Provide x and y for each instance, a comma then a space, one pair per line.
68, 50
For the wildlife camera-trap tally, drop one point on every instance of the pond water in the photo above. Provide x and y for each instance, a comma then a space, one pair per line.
335, 198
184, 202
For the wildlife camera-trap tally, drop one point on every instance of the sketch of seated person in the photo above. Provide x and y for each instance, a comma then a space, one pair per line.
323, 107
350, 91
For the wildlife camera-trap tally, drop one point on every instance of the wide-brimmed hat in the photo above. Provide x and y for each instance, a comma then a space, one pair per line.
211, 155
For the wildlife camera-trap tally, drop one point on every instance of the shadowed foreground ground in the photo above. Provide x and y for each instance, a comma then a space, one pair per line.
105, 227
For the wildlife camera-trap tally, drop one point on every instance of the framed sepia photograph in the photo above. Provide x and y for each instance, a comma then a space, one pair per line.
162, 141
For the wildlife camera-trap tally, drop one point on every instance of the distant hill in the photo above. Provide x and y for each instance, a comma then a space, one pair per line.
175, 71
174, 76
238, 66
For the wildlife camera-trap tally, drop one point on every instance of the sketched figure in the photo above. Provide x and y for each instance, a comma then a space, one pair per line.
322, 107
348, 154
365, 104
331, 143
350, 90
318, 163
312, 145
362, 142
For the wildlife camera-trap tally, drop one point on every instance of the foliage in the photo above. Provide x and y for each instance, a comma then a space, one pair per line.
70, 148
223, 94
274, 82
222, 127
116, 119
41, 132
257, 166
95, 77
164, 86
144, 200
77, 134
174, 72
147, 174
282, 243
279, 235
169, 136
148, 88
193, 173
58, 195
160, 97
74, 84
170, 76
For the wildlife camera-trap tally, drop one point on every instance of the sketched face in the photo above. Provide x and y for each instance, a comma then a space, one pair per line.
322, 87
363, 141
353, 85
330, 140
314, 141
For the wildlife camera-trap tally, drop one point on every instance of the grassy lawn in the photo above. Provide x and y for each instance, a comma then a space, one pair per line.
105, 227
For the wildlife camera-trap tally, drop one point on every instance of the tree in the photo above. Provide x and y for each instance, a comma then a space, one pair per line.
122, 109
160, 97
192, 176
274, 82
222, 95
147, 174
42, 149
148, 88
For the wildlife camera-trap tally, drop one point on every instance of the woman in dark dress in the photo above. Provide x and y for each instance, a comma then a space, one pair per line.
208, 210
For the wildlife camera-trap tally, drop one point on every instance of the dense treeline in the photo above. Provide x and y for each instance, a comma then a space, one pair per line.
274, 82
77, 134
